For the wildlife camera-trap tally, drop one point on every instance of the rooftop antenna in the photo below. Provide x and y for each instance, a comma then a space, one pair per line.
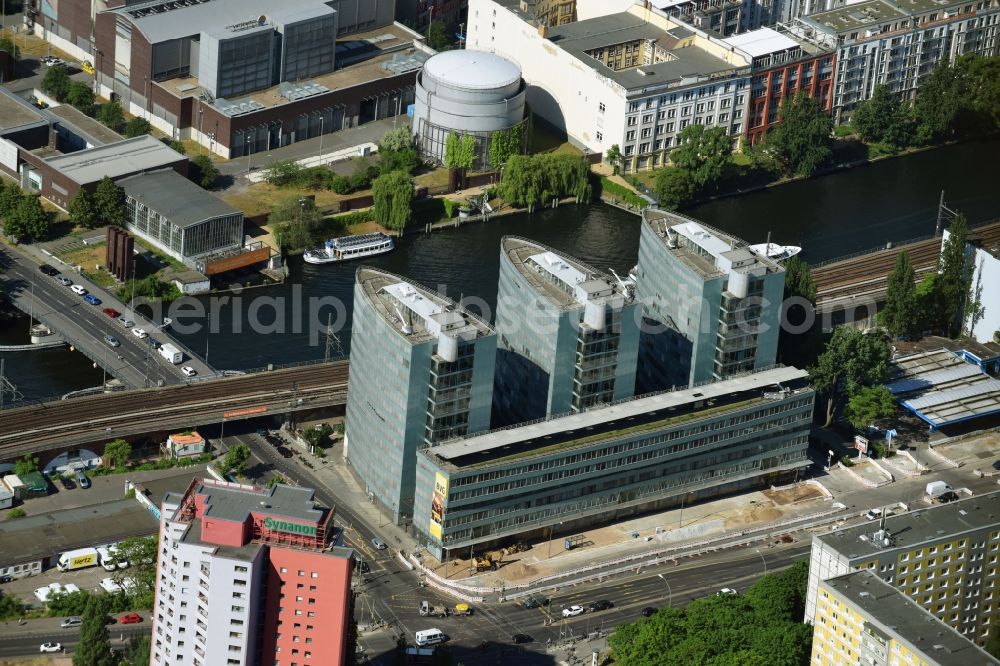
404, 321
626, 287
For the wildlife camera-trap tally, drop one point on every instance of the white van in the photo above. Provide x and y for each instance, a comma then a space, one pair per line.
430, 637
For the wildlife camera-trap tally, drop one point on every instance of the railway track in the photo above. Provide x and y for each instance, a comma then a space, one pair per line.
121, 412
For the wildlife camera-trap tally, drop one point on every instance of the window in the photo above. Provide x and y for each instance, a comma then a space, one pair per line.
686, 111
629, 150
631, 122
648, 118
646, 132
600, 137
644, 148
601, 108
630, 135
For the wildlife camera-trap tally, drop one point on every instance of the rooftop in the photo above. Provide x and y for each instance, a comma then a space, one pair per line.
761, 42
687, 64
124, 158
16, 112
472, 69
428, 316
944, 389
603, 423
708, 251
898, 616
874, 13
96, 133
176, 198
562, 280
234, 502
914, 528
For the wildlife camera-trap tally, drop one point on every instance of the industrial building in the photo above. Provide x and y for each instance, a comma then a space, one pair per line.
862, 619
611, 462
569, 335
712, 305
250, 576
178, 217
421, 372
942, 557
470, 94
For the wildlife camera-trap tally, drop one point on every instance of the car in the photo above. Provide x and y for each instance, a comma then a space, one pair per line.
48, 270
996, 465
534, 601
875, 514
87, 67
71, 621
39, 103
64, 281
603, 604
130, 618
379, 544
285, 453
126, 322
111, 312
362, 566
67, 482
189, 371
112, 341
572, 611
153, 342
52, 61
649, 610
139, 333
949, 496
93, 300
82, 479
518, 639
79, 290
50, 647
726, 591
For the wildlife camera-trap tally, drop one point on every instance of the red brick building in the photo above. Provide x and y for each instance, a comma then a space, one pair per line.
774, 82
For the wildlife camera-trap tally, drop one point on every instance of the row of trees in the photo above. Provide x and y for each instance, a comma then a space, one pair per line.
22, 214
761, 628
530, 180
105, 205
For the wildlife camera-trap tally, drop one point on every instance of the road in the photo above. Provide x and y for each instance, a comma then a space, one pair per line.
134, 362
29, 637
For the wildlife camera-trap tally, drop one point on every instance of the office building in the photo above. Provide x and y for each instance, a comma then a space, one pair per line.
613, 462
713, 306
897, 43
421, 373
250, 576
942, 557
569, 334
861, 619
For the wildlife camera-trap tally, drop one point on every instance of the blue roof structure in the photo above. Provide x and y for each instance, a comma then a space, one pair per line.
947, 389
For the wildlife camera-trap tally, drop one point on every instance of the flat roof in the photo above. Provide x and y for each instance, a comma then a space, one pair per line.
898, 616
124, 158
862, 15
94, 132
230, 502
176, 198
914, 528
689, 63
562, 280
945, 407
600, 416
17, 112
761, 42
948, 389
429, 314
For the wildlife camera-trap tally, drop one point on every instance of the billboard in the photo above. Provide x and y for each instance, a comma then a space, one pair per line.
438, 500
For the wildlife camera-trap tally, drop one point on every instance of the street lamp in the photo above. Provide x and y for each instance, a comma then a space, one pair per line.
670, 593
321, 119
762, 560
551, 530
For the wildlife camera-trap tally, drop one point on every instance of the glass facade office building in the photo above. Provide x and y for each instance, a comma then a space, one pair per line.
421, 372
611, 462
569, 335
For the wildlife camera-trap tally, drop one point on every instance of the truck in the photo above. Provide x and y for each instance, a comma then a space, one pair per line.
171, 353
80, 558
936, 488
429, 610
110, 559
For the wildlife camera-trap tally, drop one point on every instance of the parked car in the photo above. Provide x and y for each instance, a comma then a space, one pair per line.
112, 341
726, 591
50, 647
64, 281
285, 453
71, 621
131, 618
77, 289
48, 270
534, 601
87, 67
93, 300
189, 371
127, 323
649, 610
949, 496
379, 544
518, 639
572, 611
82, 479
603, 604
153, 342
111, 312
139, 333
66, 482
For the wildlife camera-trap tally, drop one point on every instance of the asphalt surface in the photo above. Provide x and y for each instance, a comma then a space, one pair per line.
28, 638
134, 362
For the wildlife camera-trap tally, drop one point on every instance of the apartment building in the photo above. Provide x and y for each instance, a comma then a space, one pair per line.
421, 372
569, 335
611, 462
943, 557
712, 305
897, 43
861, 619
248, 576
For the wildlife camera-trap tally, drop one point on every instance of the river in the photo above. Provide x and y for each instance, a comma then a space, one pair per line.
850, 211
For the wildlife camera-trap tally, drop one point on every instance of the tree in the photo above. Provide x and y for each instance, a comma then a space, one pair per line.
703, 153
137, 127
900, 315
799, 347
954, 280
983, 80
437, 36
941, 99
203, 171
81, 97
396, 151
283, 173
868, 405
94, 647
614, 158
16, 513
883, 118
532, 179
9, 46
117, 452
138, 579
138, 652
317, 434
83, 209
29, 220
393, 195
800, 143
296, 220
396, 139
459, 151
10, 196
110, 201
675, 188
503, 144
111, 115
851, 361
236, 458
56, 82
177, 146
26, 465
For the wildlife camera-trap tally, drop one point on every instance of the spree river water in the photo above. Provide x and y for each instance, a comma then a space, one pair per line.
846, 212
